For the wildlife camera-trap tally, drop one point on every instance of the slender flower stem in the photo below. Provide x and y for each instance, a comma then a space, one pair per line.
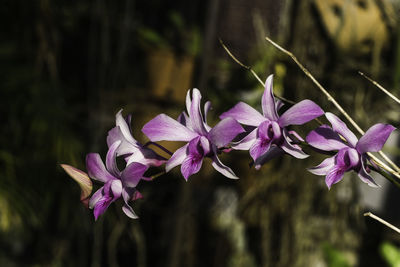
386, 175
252, 71
382, 221
153, 177
380, 87
159, 146
339, 107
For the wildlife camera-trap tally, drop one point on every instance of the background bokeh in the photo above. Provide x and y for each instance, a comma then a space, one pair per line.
66, 69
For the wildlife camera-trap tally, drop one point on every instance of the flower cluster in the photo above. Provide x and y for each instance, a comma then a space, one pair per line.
265, 136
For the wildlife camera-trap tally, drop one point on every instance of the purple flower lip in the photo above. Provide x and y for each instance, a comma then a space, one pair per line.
351, 153
270, 136
117, 183
202, 139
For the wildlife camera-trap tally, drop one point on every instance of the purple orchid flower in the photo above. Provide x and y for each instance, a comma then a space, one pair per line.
203, 141
131, 149
351, 153
270, 136
116, 183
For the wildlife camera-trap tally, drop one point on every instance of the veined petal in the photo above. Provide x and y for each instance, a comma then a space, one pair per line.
324, 138
268, 101
101, 206
81, 178
177, 158
365, 177
244, 114
132, 174
96, 169
246, 142
259, 148
374, 139
207, 107
340, 127
195, 113
225, 131
146, 156
111, 159
165, 128
334, 176
293, 150
300, 113
191, 165
124, 127
221, 168
273, 152
324, 167
185, 120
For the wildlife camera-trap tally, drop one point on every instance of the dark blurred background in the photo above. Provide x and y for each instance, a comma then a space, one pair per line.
67, 67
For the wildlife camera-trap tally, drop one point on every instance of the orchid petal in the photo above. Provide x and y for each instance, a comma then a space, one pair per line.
81, 178
273, 152
146, 157
324, 167
132, 174
365, 177
127, 194
340, 127
185, 120
259, 148
177, 158
300, 113
225, 131
207, 107
268, 101
324, 138
188, 102
191, 165
111, 159
96, 169
195, 113
293, 150
101, 206
221, 168
347, 158
334, 176
246, 142
244, 114
124, 126
95, 197
165, 128
374, 139
126, 147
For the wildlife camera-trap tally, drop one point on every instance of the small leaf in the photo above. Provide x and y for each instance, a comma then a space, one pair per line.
82, 179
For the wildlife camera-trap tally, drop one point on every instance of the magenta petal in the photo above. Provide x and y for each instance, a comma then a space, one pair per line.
185, 120
246, 142
124, 126
300, 113
177, 158
324, 138
244, 114
340, 127
374, 139
191, 165
132, 174
324, 167
259, 147
268, 101
125, 147
293, 150
273, 152
365, 177
96, 169
101, 206
111, 159
225, 131
127, 194
195, 113
221, 168
165, 128
95, 197
334, 176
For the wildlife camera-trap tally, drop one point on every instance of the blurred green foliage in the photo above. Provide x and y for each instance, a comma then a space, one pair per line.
390, 253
